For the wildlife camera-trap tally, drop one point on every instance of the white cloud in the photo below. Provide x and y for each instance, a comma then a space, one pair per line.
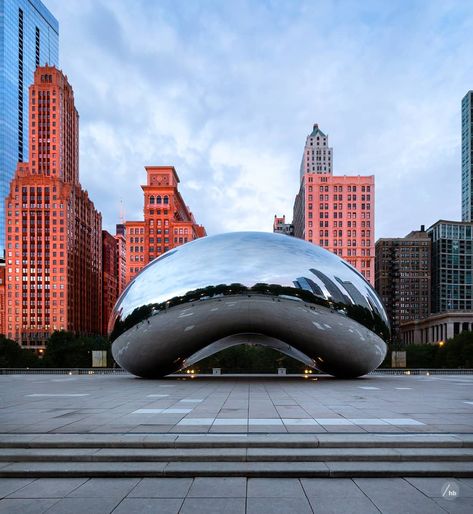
226, 92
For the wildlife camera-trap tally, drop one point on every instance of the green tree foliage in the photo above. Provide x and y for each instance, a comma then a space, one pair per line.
13, 356
249, 358
457, 352
67, 350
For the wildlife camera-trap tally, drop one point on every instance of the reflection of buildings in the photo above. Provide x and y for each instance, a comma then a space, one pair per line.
281, 227
53, 236
335, 211
167, 223
403, 277
29, 38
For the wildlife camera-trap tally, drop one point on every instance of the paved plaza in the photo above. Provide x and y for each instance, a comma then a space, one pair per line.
63, 436
124, 404
234, 496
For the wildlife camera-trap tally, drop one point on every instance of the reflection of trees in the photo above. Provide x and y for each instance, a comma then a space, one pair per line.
370, 319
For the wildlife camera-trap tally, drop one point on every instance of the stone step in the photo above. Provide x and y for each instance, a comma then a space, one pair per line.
243, 469
234, 454
332, 440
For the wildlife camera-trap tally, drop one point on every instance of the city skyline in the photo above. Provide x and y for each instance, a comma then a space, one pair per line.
218, 93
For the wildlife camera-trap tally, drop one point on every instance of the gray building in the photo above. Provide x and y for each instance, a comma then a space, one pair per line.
452, 252
402, 277
29, 37
467, 156
451, 310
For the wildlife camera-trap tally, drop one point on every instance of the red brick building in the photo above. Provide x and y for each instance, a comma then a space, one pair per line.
335, 211
110, 277
2, 297
120, 237
167, 223
53, 231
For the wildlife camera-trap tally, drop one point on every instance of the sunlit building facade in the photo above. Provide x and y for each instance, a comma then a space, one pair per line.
335, 211
167, 223
53, 231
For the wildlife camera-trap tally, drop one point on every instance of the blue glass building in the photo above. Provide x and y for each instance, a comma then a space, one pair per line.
29, 37
467, 157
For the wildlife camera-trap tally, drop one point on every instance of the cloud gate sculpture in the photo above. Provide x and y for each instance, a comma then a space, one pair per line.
249, 287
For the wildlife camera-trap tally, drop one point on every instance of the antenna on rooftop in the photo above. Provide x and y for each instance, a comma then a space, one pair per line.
122, 211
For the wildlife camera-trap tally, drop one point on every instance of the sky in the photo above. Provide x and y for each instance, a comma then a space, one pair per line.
227, 92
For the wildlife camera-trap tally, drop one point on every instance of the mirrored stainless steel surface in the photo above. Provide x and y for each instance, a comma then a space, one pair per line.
249, 287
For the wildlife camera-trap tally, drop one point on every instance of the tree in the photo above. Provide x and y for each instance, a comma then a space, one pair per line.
67, 350
13, 356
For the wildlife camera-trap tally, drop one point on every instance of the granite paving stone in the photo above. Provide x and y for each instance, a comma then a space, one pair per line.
105, 488
395, 495
84, 506
218, 487
274, 488
162, 488
214, 506
49, 488
278, 505
10, 485
25, 506
149, 506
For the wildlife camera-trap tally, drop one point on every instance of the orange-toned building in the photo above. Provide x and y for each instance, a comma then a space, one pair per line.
53, 231
110, 277
335, 211
120, 237
2, 297
167, 223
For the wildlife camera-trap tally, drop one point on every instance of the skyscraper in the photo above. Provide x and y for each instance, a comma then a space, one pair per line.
317, 156
29, 38
335, 211
403, 277
53, 231
168, 222
467, 157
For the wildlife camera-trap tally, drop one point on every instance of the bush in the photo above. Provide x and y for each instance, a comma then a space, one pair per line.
67, 350
13, 356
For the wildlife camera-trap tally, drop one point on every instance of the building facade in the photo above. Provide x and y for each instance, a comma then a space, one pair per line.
467, 157
451, 307
436, 328
335, 211
317, 156
281, 227
110, 277
452, 266
29, 38
167, 223
53, 231
403, 277
120, 237
2, 297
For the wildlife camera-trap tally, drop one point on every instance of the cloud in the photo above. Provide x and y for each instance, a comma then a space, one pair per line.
227, 92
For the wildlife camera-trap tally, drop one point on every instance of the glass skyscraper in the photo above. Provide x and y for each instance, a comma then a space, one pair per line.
29, 37
467, 157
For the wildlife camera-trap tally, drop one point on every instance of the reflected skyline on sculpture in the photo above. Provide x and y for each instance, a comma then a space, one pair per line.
235, 283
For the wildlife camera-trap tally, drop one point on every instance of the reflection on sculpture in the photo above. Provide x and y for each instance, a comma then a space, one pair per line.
249, 287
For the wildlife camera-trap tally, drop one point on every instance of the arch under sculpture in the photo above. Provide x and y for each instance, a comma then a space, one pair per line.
249, 287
